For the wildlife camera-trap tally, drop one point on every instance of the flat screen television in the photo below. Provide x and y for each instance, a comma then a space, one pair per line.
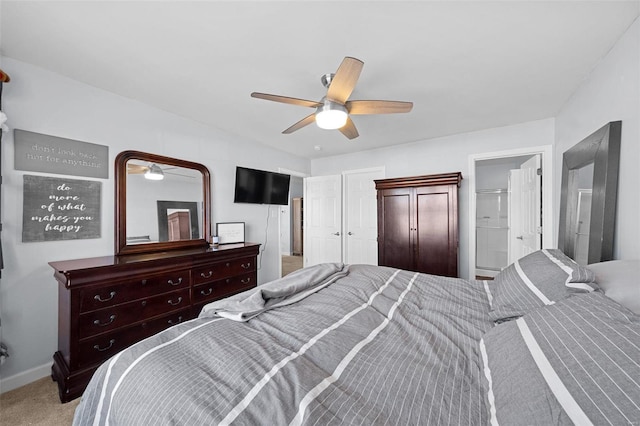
261, 187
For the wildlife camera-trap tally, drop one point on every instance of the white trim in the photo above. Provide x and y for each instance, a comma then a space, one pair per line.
25, 377
546, 152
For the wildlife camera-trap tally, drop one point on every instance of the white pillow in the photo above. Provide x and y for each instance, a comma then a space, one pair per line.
620, 280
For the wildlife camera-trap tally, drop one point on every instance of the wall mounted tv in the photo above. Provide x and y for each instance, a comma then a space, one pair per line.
261, 187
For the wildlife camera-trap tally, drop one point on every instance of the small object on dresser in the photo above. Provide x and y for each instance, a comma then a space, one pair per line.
215, 240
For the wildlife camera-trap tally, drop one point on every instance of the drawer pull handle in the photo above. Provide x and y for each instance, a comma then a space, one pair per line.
172, 303
246, 281
202, 292
228, 280
178, 283
227, 265
143, 282
100, 299
171, 322
98, 348
209, 275
102, 324
246, 265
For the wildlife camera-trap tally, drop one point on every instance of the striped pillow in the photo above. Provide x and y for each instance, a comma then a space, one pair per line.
574, 362
538, 279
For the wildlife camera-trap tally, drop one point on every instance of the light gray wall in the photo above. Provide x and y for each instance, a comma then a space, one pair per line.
44, 102
610, 93
441, 155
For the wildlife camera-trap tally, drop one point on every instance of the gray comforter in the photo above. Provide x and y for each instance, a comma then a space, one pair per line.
373, 346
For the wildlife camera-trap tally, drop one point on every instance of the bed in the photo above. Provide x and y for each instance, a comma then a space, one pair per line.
360, 344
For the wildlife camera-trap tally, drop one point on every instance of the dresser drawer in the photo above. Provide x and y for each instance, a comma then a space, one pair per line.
219, 270
223, 288
100, 348
125, 291
107, 319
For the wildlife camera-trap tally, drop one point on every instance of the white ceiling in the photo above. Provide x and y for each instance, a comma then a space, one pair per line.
466, 65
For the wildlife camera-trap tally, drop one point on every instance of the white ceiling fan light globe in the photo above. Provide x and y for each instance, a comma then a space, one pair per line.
331, 115
154, 173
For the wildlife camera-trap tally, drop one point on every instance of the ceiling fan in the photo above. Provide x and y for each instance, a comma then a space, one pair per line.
152, 171
333, 110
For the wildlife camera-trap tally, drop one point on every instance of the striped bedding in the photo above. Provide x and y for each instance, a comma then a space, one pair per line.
378, 346
578, 362
381, 346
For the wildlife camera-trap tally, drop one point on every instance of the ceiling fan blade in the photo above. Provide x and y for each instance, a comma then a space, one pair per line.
378, 107
349, 129
286, 100
345, 79
136, 169
300, 124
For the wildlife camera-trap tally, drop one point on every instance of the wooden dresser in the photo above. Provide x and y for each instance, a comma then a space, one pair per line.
418, 223
106, 304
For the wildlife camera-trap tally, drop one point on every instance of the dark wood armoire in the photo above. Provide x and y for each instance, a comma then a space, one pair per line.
418, 223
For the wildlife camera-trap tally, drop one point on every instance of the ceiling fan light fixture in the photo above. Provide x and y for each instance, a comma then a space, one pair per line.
331, 115
154, 173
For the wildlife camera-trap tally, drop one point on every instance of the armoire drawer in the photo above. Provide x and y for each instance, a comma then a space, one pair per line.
107, 319
125, 291
99, 348
218, 270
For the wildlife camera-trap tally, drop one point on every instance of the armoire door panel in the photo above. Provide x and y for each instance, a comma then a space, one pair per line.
396, 241
432, 231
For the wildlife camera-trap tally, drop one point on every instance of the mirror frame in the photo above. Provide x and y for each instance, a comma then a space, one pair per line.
602, 148
121, 246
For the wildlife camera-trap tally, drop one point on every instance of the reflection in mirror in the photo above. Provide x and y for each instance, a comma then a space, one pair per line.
179, 184
583, 213
588, 196
178, 220
162, 202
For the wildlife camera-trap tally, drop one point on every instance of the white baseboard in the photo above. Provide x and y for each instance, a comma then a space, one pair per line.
24, 378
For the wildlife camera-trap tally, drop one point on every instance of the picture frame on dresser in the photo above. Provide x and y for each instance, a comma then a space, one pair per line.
230, 232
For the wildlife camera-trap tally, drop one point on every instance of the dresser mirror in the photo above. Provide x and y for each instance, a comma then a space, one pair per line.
162, 203
588, 196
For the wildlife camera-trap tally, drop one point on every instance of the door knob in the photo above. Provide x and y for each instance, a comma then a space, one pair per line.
349, 233
337, 234
519, 238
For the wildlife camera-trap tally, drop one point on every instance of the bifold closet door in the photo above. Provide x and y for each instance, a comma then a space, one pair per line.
322, 219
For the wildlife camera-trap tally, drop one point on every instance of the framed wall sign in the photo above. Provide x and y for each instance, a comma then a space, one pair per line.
230, 232
57, 209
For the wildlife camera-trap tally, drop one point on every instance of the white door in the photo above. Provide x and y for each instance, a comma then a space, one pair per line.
525, 213
285, 230
322, 219
361, 217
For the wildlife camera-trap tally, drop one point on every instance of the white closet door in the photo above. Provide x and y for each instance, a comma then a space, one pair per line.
361, 217
525, 212
322, 219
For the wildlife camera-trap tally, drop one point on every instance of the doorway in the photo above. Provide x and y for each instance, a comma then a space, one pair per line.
510, 211
291, 226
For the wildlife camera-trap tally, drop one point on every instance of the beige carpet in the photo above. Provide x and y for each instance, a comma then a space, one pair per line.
36, 404
290, 264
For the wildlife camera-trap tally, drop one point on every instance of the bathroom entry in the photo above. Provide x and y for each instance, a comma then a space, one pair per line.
508, 202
